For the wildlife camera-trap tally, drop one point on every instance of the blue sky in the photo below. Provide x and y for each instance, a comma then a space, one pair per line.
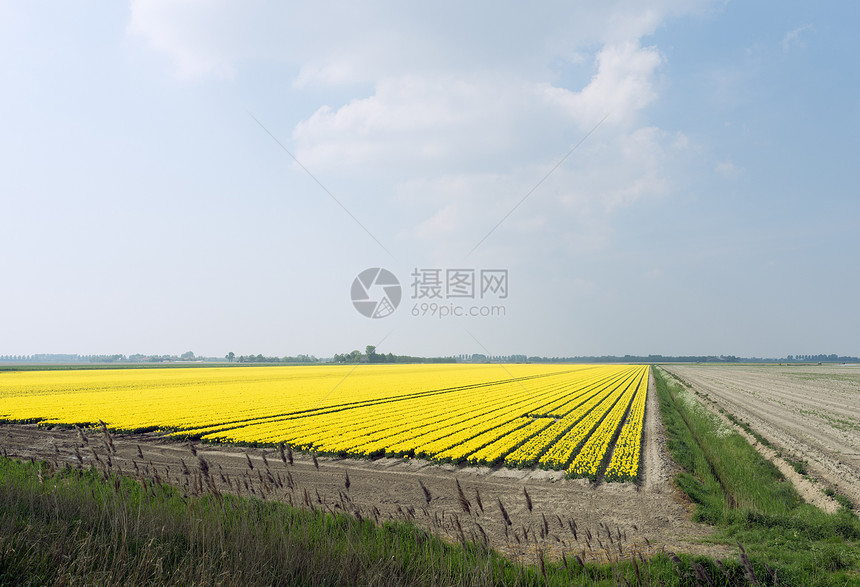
713, 211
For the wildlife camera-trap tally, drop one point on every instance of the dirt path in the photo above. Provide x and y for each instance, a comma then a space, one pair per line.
658, 467
646, 518
808, 413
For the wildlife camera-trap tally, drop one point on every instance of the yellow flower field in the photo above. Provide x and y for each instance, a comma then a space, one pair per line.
577, 418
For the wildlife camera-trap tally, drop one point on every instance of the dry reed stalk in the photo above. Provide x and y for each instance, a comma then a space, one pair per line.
722, 567
702, 574
427, 496
203, 465
528, 499
748, 568
461, 497
679, 564
484, 538
478, 500
505, 516
461, 536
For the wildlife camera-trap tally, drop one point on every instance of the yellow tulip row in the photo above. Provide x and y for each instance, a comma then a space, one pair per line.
561, 453
536, 432
530, 452
409, 426
589, 462
459, 452
495, 452
624, 465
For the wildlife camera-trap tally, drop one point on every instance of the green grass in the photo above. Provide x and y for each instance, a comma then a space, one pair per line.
800, 466
79, 526
747, 498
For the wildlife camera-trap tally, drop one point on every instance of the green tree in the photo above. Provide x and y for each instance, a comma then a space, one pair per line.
230, 356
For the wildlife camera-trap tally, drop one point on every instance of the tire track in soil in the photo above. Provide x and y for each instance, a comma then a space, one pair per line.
712, 398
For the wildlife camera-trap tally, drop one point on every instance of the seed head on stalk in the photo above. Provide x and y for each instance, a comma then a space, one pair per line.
505, 516
461, 497
478, 500
427, 496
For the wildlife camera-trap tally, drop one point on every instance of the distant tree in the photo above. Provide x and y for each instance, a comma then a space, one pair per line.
189, 356
230, 356
370, 351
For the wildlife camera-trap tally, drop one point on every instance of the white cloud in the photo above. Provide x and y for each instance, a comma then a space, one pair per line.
622, 85
454, 122
460, 112
728, 170
196, 38
343, 42
569, 214
795, 38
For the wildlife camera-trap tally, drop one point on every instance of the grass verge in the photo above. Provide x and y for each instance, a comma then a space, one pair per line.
748, 499
89, 526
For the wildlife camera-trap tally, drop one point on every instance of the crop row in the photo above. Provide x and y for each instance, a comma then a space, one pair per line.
564, 417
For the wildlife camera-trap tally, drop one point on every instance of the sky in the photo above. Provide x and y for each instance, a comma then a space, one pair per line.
671, 177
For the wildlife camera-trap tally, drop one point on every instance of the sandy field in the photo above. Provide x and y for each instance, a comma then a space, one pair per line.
597, 521
808, 412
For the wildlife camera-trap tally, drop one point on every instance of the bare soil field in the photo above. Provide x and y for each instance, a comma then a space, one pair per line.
809, 412
574, 516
